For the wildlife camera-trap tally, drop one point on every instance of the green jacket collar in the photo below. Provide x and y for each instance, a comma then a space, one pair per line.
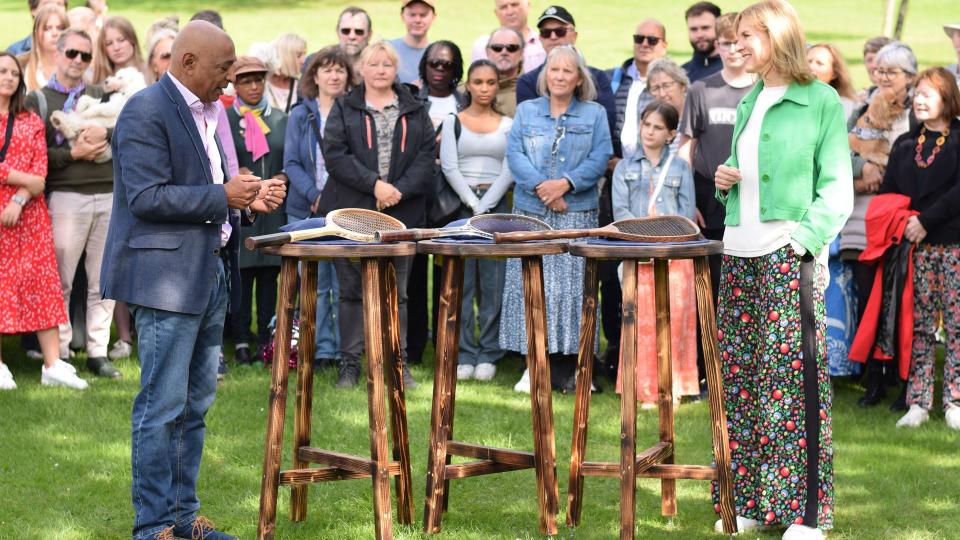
796, 92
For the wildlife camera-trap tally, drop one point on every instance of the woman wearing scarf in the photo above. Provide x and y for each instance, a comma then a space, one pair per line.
258, 134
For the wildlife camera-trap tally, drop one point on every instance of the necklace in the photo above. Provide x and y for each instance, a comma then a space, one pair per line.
923, 164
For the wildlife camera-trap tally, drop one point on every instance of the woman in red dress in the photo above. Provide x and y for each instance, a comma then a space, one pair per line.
30, 295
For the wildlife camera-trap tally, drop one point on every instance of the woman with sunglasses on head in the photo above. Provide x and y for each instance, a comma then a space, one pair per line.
557, 150
787, 189
159, 52
39, 63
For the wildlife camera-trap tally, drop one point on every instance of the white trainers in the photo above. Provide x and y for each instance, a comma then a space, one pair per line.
61, 374
121, 349
6, 378
464, 372
485, 371
523, 385
743, 525
953, 416
802, 532
914, 417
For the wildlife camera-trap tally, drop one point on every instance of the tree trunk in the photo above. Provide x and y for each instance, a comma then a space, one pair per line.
901, 16
888, 17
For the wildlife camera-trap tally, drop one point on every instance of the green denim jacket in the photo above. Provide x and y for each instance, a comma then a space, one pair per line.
804, 166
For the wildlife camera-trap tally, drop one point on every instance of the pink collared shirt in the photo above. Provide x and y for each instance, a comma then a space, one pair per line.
205, 116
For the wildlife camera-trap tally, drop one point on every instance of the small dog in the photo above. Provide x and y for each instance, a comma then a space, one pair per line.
91, 111
869, 137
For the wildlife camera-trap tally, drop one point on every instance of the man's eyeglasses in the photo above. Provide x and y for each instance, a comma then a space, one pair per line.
440, 64
359, 32
653, 41
71, 54
560, 32
499, 47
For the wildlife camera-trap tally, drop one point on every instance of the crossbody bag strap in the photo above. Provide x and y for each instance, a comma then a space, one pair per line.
656, 191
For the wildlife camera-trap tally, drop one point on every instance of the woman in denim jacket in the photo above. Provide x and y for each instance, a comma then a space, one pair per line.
653, 181
557, 150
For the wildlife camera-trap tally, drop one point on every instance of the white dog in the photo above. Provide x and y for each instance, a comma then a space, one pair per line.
91, 111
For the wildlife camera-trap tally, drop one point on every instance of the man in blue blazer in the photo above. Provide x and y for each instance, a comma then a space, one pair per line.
170, 249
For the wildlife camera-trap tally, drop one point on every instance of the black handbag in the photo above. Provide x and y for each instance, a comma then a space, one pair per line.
446, 205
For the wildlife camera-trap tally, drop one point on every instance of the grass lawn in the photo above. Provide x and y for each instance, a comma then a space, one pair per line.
65, 466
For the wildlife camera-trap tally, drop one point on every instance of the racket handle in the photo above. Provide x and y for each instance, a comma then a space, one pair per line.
407, 235
276, 239
522, 236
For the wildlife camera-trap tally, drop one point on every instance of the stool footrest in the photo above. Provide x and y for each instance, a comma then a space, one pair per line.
518, 458
645, 461
299, 477
479, 468
681, 472
339, 460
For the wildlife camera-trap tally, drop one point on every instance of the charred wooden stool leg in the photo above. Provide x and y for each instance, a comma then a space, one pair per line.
628, 402
304, 400
668, 486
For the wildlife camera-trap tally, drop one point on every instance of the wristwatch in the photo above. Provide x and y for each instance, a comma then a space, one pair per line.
19, 199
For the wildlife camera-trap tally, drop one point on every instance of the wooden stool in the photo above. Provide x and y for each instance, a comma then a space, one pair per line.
382, 337
490, 460
657, 461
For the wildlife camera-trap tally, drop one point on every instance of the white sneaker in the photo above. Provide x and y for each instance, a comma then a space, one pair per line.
953, 416
485, 371
743, 525
464, 372
523, 385
121, 349
6, 378
61, 374
914, 417
802, 532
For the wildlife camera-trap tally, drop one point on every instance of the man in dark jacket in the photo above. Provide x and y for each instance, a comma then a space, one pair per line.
701, 27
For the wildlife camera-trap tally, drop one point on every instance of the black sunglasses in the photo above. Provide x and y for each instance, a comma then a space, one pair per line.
653, 41
72, 53
560, 32
440, 64
360, 32
499, 47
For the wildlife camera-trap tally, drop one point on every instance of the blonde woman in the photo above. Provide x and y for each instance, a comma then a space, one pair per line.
291, 52
117, 48
39, 63
827, 64
787, 188
159, 53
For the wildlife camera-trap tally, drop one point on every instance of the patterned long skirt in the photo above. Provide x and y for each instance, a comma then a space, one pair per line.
563, 285
782, 466
937, 304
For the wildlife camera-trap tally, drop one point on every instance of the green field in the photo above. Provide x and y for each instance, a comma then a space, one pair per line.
604, 27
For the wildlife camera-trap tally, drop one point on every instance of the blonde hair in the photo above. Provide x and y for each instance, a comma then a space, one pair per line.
377, 47
726, 25
31, 60
586, 90
788, 53
103, 67
841, 76
288, 47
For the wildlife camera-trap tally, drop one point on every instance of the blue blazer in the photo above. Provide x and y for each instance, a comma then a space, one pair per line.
164, 238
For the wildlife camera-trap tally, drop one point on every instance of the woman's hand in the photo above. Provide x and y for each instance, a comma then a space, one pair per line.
11, 214
387, 195
726, 177
559, 206
871, 177
549, 191
914, 231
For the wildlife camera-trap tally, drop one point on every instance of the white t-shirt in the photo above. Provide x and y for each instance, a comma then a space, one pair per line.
441, 107
752, 237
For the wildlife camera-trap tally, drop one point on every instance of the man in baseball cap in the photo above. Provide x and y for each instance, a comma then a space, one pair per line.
417, 16
953, 32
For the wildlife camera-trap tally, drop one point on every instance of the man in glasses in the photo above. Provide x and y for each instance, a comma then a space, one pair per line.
80, 194
513, 14
701, 28
353, 31
557, 27
417, 17
505, 48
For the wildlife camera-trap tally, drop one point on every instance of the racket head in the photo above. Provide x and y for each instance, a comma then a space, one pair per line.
653, 229
360, 224
504, 223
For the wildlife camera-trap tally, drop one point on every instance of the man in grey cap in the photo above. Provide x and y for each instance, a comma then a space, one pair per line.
953, 32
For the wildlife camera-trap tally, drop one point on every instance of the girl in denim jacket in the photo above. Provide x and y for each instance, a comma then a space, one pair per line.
653, 182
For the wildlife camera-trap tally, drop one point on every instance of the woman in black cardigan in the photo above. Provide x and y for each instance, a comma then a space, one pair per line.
925, 166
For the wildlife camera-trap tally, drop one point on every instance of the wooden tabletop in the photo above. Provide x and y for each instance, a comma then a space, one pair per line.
517, 249
352, 251
646, 251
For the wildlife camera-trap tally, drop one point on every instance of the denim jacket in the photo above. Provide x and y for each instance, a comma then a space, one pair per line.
636, 177
575, 146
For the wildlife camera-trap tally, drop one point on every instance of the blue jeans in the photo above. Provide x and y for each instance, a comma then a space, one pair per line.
179, 354
328, 306
483, 280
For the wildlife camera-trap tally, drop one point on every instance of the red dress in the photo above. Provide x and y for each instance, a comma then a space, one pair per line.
30, 295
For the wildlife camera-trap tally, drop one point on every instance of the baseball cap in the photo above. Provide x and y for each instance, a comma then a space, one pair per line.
246, 64
430, 3
949, 29
558, 13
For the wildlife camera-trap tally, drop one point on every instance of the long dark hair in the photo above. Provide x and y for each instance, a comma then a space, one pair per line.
483, 62
457, 62
19, 97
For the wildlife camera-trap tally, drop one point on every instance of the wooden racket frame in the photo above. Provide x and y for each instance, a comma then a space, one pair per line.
279, 239
608, 231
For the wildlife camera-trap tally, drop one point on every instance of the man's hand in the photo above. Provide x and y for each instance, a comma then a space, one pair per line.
387, 195
699, 218
242, 190
315, 206
914, 231
270, 197
550, 190
86, 150
94, 134
726, 177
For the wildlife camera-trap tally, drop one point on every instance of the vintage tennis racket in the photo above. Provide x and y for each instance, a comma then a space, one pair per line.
648, 229
482, 226
355, 224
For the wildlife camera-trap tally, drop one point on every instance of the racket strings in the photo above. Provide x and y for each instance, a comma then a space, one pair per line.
364, 222
657, 227
501, 223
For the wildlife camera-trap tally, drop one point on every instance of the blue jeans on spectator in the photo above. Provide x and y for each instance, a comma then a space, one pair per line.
482, 279
328, 305
178, 353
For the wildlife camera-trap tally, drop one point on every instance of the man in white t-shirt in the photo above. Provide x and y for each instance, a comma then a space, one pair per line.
513, 14
417, 17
